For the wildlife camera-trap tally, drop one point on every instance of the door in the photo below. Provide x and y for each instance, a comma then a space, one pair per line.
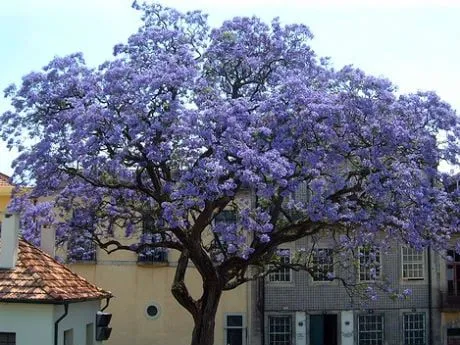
316, 330
330, 327
323, 329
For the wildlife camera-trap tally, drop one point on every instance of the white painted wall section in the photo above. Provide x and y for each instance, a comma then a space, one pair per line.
79, 315
300, 328
347, 327
9, 241
32, 323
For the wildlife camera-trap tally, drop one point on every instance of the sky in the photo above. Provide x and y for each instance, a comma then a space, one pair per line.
414, 43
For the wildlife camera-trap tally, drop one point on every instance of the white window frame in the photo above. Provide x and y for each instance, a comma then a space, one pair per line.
378, 275
242, 327
314, 253
412, 265
412, 340
269, 333
381, 330
273, 277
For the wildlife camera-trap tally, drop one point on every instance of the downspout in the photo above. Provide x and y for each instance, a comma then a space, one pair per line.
56, 324
430, 299
107, 301
262, 309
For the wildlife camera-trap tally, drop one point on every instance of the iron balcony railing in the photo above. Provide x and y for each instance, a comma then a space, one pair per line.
156, 256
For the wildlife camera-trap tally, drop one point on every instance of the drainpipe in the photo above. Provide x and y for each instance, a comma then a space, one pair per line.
107, 301
430, 299
56, 324
262, 309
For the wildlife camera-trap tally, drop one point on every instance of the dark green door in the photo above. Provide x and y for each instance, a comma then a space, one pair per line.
316, 330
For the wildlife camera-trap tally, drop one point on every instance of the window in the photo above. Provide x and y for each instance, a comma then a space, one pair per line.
89, 334
370, 330
369, 264
152, 311
68, 337
283, 274
226, 217
80, 247
7, 338
453, 274
151, 255
322, 264
414, 329
234, 329
279, 330
224, 227
453, 336
412, 264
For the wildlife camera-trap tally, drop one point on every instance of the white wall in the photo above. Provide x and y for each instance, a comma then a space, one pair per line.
80, 314
32, 323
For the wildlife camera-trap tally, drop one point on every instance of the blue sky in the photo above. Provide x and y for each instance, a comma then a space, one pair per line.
416, 44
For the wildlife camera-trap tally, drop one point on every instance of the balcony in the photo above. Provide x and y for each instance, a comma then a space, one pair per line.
450, 301
81, 251
153, 257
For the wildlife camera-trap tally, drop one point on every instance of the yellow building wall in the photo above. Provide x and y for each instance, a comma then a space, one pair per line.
450, 318
5, 196
135, 286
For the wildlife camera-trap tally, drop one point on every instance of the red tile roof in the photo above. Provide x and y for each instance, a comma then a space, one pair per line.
4, 180
38, 278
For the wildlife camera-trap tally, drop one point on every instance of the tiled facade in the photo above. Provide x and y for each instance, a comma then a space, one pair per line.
322, 313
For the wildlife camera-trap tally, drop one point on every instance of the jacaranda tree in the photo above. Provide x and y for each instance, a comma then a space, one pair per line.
184, 119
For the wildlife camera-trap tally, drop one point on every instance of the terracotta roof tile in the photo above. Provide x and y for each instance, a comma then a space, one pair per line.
39, 278
4, 180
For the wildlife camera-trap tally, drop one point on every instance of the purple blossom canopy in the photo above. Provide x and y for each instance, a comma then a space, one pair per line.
185, 119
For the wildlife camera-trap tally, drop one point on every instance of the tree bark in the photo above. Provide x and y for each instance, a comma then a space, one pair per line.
205, 317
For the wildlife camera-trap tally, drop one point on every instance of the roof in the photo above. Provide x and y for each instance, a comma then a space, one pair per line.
39, 278
4, 180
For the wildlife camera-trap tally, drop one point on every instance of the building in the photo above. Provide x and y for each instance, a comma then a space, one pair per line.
450, 300
450, 289
41, 301
5, 194
297, 308
144, 310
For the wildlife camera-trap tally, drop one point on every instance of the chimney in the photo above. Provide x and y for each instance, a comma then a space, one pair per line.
9, 241
48, 240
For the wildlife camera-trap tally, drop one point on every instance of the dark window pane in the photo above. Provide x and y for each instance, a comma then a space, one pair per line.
453, 331
226, 216
7, 338
234, 320
152, 310
234, 336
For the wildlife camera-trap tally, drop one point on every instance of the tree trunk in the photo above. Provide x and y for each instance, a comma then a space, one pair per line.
205, 318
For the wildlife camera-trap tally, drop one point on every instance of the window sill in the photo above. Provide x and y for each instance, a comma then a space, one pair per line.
82, 262
324, 282
280, 284
152, 263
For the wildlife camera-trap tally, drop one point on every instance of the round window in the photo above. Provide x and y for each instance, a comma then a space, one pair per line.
152, 311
